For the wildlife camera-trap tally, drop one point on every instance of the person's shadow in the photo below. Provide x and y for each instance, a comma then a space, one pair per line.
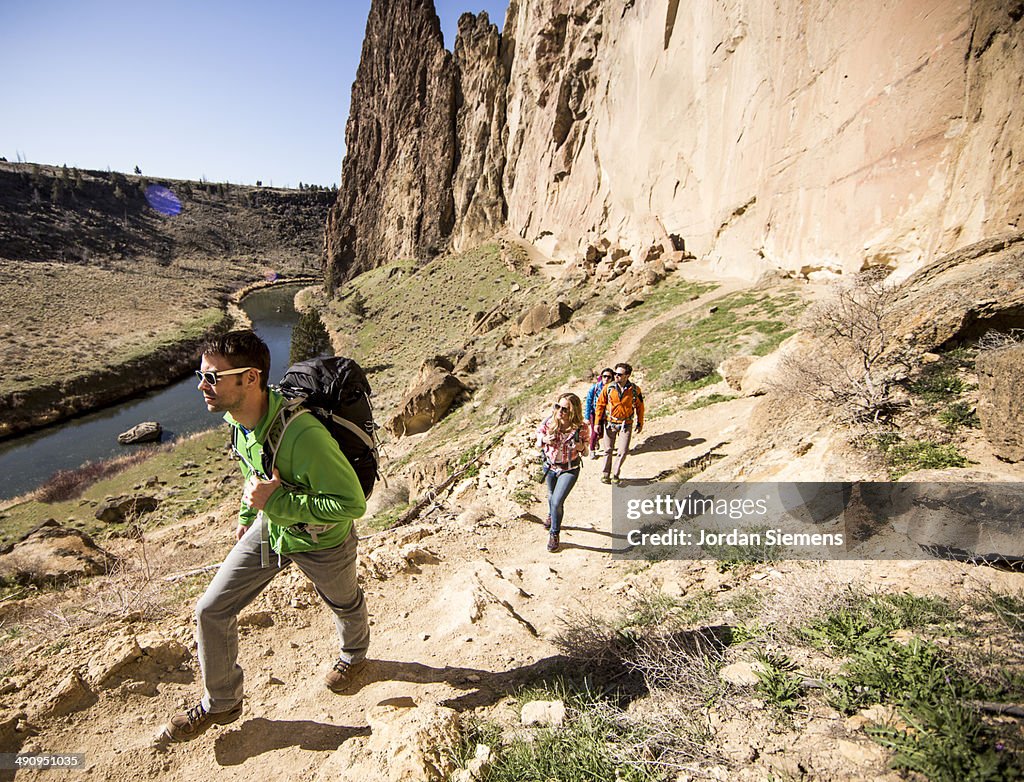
667, 441
258, 735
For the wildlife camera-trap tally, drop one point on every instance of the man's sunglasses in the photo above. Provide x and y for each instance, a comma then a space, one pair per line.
211, 378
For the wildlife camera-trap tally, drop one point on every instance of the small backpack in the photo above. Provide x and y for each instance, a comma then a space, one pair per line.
335, 390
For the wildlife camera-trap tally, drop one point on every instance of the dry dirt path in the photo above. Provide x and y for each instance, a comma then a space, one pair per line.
472, 623
475, 618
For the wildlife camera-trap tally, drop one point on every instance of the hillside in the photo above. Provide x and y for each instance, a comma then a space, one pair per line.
103, 296
472, 618
799, 222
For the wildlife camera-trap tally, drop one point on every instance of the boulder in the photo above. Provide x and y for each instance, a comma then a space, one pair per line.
119, 653
742, 673
1000, 404
476, 768
431, 365
115, 510
427, 402
146, 432
72, 694
547, 315
467, 364
548, 714
733, 369
145, 658
963, 295
54, 555
409, 742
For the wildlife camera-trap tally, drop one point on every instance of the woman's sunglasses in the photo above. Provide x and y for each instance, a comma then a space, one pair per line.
563, 408
211, 378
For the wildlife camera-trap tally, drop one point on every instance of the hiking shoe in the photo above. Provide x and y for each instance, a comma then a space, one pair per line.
615, 480
340, 677
595, 455
547, 523
606, 478
553, 541
195, 721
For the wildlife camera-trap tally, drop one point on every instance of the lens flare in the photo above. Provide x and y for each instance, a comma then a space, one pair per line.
163, 200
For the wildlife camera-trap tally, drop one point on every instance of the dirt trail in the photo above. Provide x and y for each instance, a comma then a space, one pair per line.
428, 641
474, 619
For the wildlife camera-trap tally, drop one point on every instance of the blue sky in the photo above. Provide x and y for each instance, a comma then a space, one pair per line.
231, 91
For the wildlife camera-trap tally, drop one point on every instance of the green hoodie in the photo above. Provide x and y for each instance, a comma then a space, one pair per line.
319, 485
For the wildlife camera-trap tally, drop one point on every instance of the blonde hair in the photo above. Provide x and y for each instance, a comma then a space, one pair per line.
575, 411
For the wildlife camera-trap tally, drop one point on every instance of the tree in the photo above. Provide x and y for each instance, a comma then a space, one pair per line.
138, 171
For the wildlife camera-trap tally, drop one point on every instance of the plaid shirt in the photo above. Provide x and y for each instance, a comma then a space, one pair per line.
566, 446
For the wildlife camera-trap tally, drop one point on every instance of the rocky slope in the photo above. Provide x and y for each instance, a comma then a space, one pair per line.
77, 216
467, 609
768, 136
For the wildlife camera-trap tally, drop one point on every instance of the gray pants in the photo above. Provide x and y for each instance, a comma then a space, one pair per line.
238, 582
610, 436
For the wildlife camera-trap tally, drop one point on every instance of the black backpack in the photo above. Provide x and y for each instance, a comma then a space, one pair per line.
336, 391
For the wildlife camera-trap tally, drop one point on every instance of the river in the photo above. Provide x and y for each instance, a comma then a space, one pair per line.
27, 461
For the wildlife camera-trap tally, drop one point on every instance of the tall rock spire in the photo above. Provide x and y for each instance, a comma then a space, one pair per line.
395, 199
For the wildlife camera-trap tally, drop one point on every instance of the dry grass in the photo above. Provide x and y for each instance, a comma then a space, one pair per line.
63, 320
133, 590
68, 484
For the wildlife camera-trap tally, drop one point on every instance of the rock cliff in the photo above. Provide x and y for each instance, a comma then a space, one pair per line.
772, 135
396, 201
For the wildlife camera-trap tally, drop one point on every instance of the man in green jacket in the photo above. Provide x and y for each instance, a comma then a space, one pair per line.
301, 512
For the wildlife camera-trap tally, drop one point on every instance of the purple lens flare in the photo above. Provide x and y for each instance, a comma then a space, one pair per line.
163, 200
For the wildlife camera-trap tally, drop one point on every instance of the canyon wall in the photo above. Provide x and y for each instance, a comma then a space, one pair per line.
800, 136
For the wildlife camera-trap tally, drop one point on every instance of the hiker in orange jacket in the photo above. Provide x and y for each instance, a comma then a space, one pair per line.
619, 406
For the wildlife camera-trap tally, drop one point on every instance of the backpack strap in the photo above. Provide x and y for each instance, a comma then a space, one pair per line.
359, 432
289, 411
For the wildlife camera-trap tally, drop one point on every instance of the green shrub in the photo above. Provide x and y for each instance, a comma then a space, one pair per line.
596, 742
778, 681
938, 383
906, 456
959, 415
690, 365
947, 743
710, 399
945, 737
863, 620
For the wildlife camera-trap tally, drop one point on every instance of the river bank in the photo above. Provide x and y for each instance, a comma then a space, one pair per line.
166, 362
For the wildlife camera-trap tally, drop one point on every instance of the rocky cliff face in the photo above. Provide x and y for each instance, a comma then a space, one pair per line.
483, 74
396, 200
773, 135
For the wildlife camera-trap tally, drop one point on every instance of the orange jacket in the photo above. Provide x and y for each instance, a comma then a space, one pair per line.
621, 404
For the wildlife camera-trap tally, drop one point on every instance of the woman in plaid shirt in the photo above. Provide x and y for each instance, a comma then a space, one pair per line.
562, 439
